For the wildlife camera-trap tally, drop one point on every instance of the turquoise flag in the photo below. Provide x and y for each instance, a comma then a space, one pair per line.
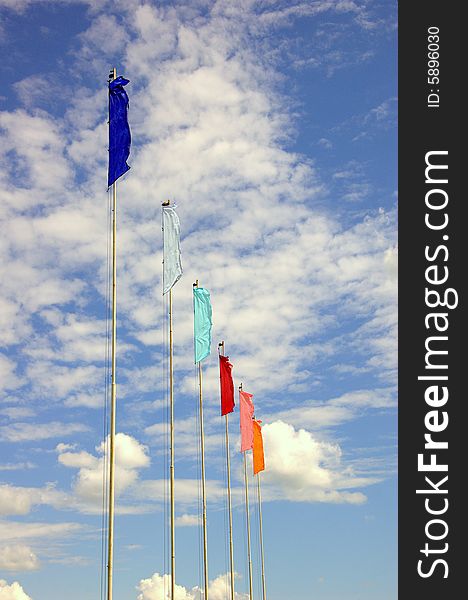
201, 323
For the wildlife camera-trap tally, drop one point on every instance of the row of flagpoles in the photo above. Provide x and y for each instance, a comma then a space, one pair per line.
251, 435
250, 427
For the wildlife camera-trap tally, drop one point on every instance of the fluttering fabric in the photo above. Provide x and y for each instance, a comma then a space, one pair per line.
258, 456
246, 410
201, 323
172, 266
227, 385
119, 131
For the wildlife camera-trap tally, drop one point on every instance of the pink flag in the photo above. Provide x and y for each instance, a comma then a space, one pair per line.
246, 408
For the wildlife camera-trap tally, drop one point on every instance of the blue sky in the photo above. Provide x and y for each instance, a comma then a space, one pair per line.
273, 127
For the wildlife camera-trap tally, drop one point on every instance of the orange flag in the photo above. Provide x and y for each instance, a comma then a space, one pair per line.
258, 457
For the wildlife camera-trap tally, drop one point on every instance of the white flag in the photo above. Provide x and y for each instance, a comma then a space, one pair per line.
172, 267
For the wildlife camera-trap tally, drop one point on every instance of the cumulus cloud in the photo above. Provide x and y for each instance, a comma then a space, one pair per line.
14, 500
301, 468
12, 591
130, 457
17, 500
18, 558
186, 520
25, 543
157, 587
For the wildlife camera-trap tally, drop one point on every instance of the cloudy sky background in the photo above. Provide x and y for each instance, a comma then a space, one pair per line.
272, 125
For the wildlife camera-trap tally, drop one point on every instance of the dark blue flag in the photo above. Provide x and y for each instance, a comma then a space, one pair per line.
119, 131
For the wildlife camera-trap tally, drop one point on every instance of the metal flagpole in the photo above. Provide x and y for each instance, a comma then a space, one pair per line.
202, 450
171, 402
228, 465
247, 512
110, 549
171, 428
259, 494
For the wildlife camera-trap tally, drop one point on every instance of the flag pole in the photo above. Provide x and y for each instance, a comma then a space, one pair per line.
171, 427
247, 512
259, 494
228, 466
110, 549
202, 450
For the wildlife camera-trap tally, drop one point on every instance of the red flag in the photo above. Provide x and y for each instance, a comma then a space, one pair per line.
227, 386
246, 409
258, 456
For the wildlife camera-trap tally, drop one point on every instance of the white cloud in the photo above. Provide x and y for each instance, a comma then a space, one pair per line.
14, 531
219, 588
17, 466
384, 112
130, 457
13, 591
17, 500
9, 379
61, 447
186, 520
157, 586
101, 43
17, 412
39, 147
26, 432
325, 143
335, 411
14, 500
18, 558
301, 468
37, 90
186, 491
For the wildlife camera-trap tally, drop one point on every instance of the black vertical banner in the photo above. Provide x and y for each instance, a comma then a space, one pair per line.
433, 354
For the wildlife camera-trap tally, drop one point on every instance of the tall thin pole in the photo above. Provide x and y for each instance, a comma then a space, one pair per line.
171, 402
171, 428
259, 494
202, 450
247, 512
228, 466
110, 550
